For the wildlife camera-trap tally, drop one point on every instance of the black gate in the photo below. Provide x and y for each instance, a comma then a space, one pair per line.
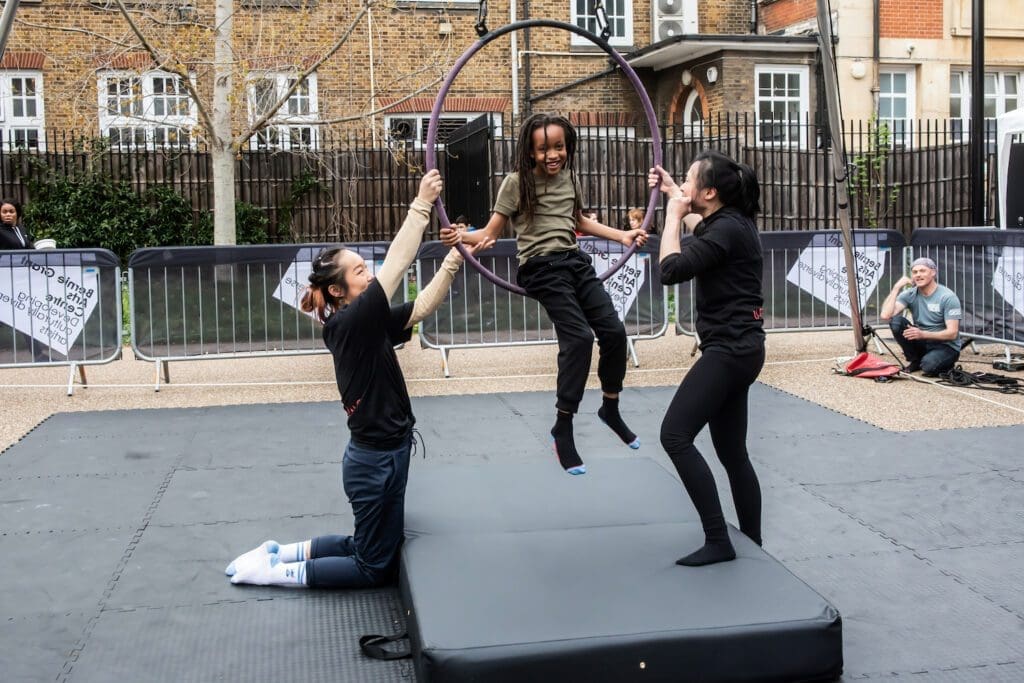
467, 182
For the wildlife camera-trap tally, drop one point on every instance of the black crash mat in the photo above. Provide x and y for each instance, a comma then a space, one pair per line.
513, 572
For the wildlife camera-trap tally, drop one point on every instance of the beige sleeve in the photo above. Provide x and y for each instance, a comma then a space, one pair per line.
403, 248
431, 296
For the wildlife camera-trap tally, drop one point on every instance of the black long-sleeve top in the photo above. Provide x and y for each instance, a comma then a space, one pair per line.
724, 258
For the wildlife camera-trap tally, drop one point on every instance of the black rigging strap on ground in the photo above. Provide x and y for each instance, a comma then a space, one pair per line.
989, 381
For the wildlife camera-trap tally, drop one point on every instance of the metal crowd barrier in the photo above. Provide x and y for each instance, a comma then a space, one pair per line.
985, 268
479, 314
60, 307
805, 284
195, 303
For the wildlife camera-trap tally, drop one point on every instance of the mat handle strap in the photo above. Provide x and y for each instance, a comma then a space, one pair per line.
373, 646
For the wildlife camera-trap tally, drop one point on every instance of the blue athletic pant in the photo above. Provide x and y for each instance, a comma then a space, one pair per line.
374, 481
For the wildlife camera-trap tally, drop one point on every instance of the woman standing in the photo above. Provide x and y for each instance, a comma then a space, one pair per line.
718, 203
12, 234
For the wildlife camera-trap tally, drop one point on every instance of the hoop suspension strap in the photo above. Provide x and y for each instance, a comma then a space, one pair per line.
605, 30
481, 19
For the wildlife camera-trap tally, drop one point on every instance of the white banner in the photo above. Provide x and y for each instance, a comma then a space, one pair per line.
821, 271
1008, 278
292, 287
626, 282
49, 303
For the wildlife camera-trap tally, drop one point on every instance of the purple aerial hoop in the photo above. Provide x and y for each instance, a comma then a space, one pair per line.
430, 152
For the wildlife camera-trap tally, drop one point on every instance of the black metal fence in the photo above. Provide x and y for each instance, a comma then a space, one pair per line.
356, 188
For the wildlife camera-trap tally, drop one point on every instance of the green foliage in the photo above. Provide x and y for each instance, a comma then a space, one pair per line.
869, 182
89, 209
305, 183
251, 224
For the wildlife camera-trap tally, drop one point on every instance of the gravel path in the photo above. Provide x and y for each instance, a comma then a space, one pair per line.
798, 363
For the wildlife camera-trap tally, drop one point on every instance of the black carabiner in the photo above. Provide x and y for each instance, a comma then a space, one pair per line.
481, 19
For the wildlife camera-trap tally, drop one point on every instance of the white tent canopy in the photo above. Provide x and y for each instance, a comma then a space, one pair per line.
1011, 123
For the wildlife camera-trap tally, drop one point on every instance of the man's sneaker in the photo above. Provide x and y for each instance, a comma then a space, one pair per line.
914, 366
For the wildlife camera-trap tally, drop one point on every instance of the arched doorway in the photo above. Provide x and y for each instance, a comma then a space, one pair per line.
688, 111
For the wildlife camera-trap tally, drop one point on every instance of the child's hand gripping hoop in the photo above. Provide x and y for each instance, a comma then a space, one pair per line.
430, 152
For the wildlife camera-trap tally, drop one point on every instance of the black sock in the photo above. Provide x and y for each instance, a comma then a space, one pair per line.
709, 553
565, 445
609, 414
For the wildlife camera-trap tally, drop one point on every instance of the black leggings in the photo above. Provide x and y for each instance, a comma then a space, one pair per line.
714, 393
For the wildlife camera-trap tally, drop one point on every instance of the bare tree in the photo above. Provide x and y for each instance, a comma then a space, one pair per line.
212, 51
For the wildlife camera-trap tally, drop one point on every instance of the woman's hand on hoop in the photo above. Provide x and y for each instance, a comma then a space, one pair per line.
430, 187
658, 177
453, 235
638, 236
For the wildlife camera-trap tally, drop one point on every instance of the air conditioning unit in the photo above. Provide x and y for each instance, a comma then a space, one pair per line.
673, 18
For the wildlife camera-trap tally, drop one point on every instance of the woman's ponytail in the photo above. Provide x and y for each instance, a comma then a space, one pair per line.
313, 302
749, 199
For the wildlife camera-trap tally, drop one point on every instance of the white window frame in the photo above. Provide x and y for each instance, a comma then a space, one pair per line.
964, 77
586, 20
144, 124
421, 121
283, 130
13, 126
899, 138
693, 115
613, 132
803, 99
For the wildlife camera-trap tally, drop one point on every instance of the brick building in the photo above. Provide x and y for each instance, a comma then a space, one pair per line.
916, 66
73, 65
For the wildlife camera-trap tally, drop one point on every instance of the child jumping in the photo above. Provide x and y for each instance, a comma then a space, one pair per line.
543, 200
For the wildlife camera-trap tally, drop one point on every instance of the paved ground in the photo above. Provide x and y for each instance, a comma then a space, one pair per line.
914, 534
882, 501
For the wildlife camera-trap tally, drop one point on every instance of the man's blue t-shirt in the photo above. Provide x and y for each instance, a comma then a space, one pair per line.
930, 313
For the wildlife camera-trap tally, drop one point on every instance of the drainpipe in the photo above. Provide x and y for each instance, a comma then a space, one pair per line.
753, 16
875, 53
373, 85
515, 61
526, 65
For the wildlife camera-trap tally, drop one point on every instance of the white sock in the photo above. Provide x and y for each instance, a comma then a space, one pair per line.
264, 548
269, 570
293, 552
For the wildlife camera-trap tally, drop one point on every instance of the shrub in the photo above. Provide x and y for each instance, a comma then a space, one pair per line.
91, 210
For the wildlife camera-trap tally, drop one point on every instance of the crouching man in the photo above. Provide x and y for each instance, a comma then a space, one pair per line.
931, 341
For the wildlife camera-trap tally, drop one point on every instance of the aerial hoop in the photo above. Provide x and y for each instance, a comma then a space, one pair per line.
430, 151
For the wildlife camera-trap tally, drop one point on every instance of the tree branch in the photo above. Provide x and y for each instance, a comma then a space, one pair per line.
177, 68
379, 110
262, 121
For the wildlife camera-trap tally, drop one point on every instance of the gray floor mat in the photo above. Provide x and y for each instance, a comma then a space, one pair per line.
138, 512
